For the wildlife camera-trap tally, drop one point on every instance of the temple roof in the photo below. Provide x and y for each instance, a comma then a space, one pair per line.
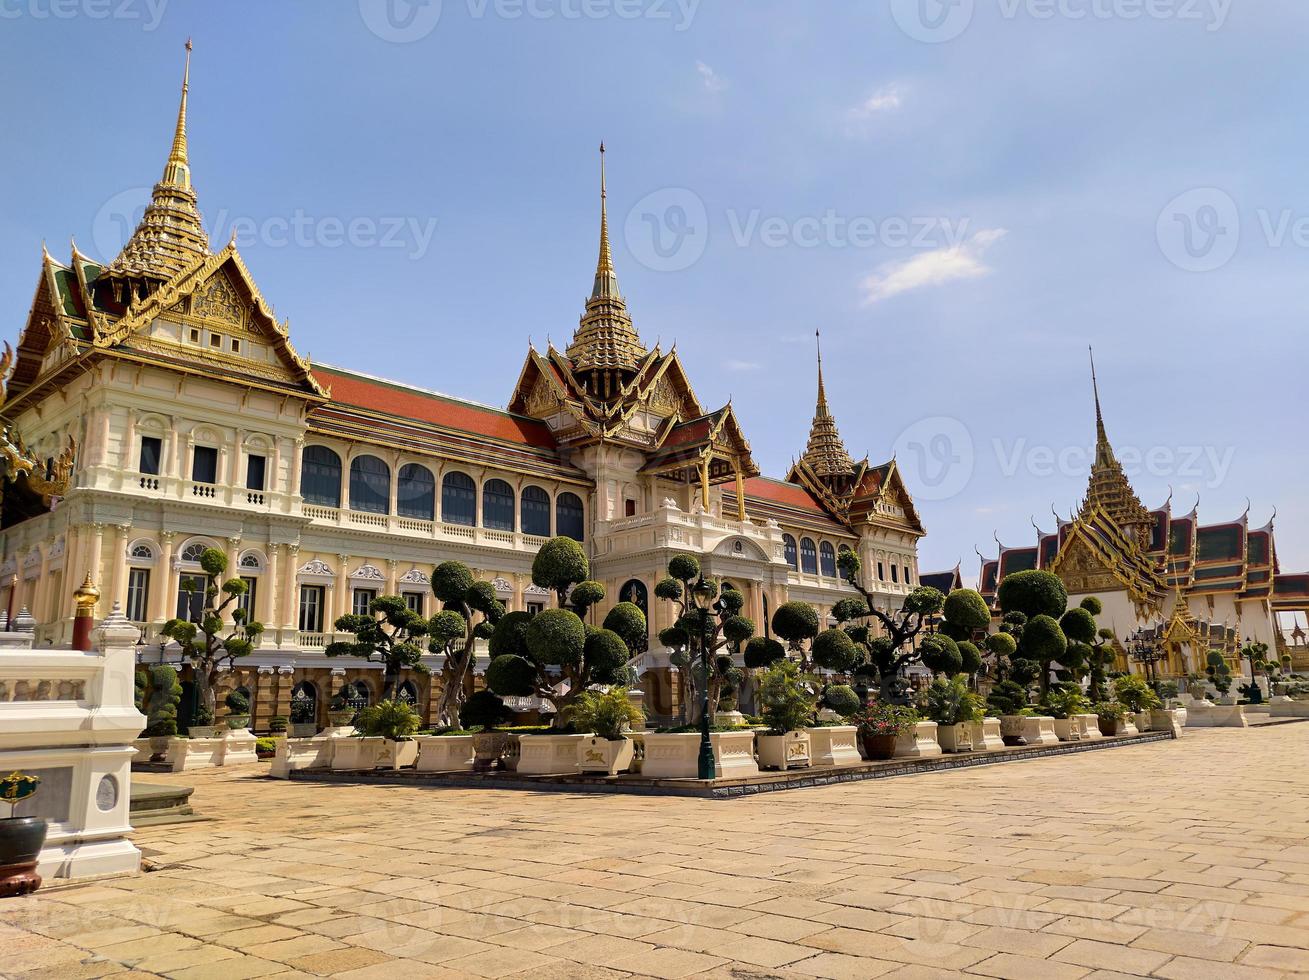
1109, 490
825, 454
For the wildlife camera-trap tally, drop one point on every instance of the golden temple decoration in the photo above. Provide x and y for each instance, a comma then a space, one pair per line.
1109, 489
826, 455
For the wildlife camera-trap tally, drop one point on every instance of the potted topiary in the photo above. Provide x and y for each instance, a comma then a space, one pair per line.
160, 704
609, 715
303, 722
21, 838
483, 712
1008, 700
394, 722
954, 708
339, 712
265, 748
1134, 694
787, 707
1064, 703
836, 744
238, 707
880, 726
278, 725
1111, 715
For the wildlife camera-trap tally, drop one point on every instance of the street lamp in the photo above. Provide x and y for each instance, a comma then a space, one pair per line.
702, 594
1146, 652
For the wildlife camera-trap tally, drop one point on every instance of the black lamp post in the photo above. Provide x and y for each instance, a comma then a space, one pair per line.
702, 594
1146, 652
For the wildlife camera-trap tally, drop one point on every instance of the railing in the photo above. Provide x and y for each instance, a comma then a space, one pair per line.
313, 641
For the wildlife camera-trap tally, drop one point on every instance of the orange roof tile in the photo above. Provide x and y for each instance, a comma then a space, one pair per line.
790, 494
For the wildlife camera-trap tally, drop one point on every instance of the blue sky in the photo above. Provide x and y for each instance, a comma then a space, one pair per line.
962, 197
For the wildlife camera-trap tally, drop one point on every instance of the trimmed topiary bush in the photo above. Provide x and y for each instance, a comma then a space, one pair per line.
1033, 593
485, 710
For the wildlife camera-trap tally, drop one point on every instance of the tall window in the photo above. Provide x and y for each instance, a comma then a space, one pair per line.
204, 464
808, 556
881, 572
191, 602
459, 499
895, 573
536, 512
320, 477
370, 485
827, 559
414, 600
498, 506
152, 449
138, 594
311, 609
416, 493
569, 521
908, 580
255, 472
363, 598
249, 599
788, 548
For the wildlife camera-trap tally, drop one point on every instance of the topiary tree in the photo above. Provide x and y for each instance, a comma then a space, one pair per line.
554, 655
1257, 655
941, 655
884, 657
389, 635
206, 643
797, 624
1220, 675
785, 699
965, 615
484, 709
470, 611
1033, 593
695, 636
160, 702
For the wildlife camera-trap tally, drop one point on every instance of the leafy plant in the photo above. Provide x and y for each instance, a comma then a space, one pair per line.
302, 712
161, 702
609, 714
485, 710
265, 747
237, 703
277, 724
392, 720
1133, 693
1007, 698
947, 701
842, 698
1220, 675
1109, 711
884, 718
470, 611
785, 699
1066, 700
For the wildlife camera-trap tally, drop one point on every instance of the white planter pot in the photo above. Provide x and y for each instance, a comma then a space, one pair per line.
677, 755
1128, 726
1039, 730
1067, 730
918, 742
446, 753
1141, 719
239, 747
398, 755
356, 753
595, 754
300, 753
955, 738
986, 735
1165, 720
789, 751
837, 745
1088, 727
555, 755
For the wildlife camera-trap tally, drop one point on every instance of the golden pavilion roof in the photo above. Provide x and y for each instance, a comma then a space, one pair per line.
1109, 491
171, 236
826, 455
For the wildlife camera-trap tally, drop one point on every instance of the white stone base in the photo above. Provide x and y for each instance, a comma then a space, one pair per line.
986, 735
955, 738
677, 755
356, 753
1039, 730
74, 859
600, 755
1289, 709
446, 753
1216, 716
918, 743
548, 755
1165, 720
834, 746
1088, 727
789, 751
300, 753
1067, 730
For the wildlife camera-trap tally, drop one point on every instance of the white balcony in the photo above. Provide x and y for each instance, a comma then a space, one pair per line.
412, 527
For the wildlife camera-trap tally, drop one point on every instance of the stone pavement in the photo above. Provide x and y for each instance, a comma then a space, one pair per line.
1184, 859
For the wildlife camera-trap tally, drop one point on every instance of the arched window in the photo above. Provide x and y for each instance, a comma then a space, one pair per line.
407, 693
788, 547
416, 493
498, 506
193, 551
808, 556
143, 552
304, 704
768, 627
370, 485
459, 499
536, 512
568, 517
357, 695
827, 559
320, 477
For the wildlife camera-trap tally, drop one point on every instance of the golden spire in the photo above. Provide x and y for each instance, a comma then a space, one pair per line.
605, 340
171, 235
1109, 489
1104, 453
825, 454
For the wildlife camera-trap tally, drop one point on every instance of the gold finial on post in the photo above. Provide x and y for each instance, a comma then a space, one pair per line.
178, 170
86, 596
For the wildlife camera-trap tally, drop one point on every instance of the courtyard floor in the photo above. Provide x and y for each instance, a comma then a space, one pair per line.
1185, 859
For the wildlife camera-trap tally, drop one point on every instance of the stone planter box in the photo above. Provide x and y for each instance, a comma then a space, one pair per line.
955, 738
729, 719
300, 753
1216, 716
1039, 730
1166, 720
1289, 709
676, 755
837, 745
399, 755
1088, 727
789, 751
553, 755
357, 753
986, 735
206, 731
1011, 729
446, 753
918, 742
239, 747
595, 754
1141, 719
1067, 730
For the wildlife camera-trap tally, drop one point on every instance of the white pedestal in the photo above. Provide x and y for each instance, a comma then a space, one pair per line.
834, 746
986, 735
918, 742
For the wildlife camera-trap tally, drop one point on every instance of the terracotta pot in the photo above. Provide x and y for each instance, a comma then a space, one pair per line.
878, 746
21, 839
1109, 727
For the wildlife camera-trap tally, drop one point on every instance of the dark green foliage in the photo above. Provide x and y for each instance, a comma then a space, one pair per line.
627, 620
1092, 605
1007, 698
670, 589
391, 636
1042, 644
451, 581
510, 636
556, 637
834, 650
1033, 593
512, 676
482, 598
1078, 625
485, 710
941, 655
731, 602
847, 610
795, 622
585, 595
970, 657
160, 704
278, 724
392, 720
763, 651
237, 703
606, 654
445, 627
560, 563
784, 696
842, 699
674, 637
1001, 644
965, 609
683, 568
737, 629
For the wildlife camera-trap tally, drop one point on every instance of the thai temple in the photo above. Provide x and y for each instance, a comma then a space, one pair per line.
1194, 588
154, 407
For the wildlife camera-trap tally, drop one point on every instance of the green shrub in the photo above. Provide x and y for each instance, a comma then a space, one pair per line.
512, 676
162, 701
834, 650
1109, 710
1033, 593
560, 563
966, 612
763, 651
393, 720
484, 709
557, 637
842, 699
947, 701
1133, 693
884, 718
941, 655
970, 656
609, 714
627, 620
1065, 701
795, 622
1007, 698
277, 724
265, 746
786, 702
237, 703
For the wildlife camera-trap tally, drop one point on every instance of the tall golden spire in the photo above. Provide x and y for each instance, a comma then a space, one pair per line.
825, 454
1109, 489
171, 235
606, 341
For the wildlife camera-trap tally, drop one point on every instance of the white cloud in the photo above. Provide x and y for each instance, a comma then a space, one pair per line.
887, 99
713, 82
743, 365
934, 268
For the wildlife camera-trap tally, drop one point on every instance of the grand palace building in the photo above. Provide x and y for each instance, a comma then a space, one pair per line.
155, 408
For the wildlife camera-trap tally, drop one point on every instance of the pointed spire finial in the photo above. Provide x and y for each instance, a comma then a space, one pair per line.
606, 279
178, 170
1095, 388
822, 388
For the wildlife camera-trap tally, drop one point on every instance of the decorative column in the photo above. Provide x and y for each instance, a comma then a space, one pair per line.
296, 459
127, 454
97, 552
740, 492
118, 567
285, 684
271, 599
391, 576
343, 597
263, 701
45, 589
159, 602
290, 604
